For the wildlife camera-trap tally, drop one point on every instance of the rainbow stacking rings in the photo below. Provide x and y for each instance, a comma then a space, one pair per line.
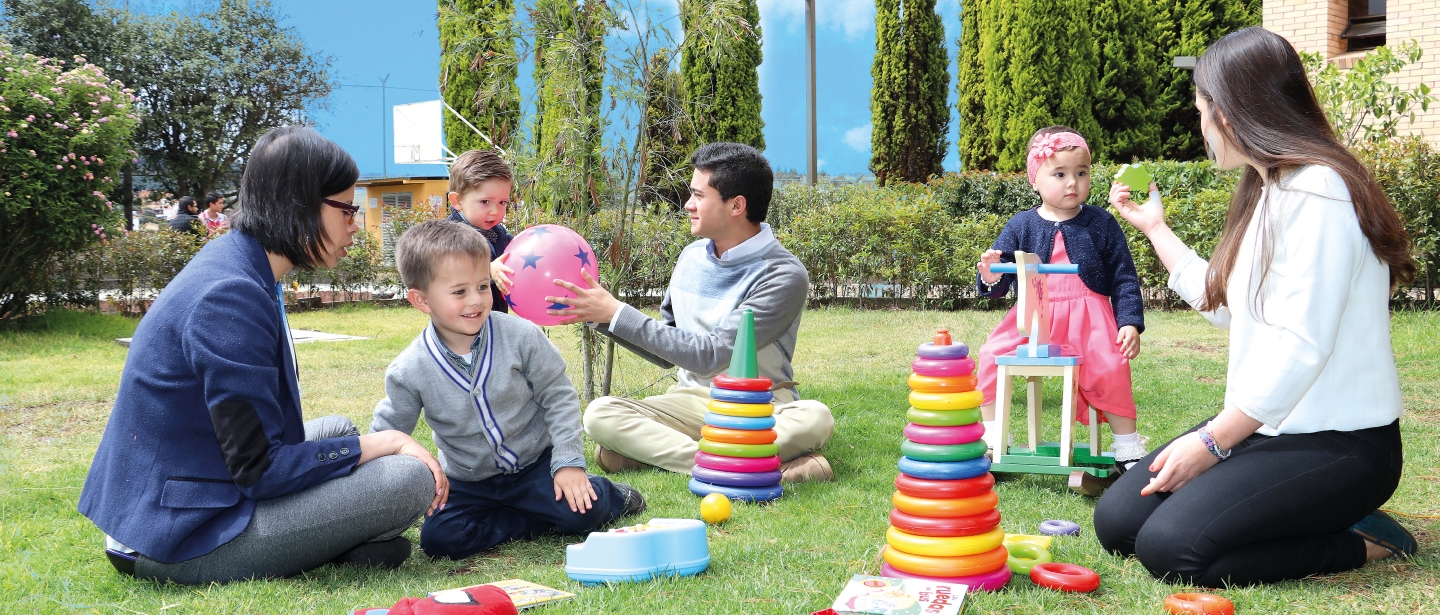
744, 410
741, 397
945, 470
738, 456
735, 479
732, 383
737, 464
739, 422
944, 489
747, 494
738, 450
737, 436
943, 418
943, 367
942, 452
929, 350
944, 546
945, 526
959, 434
945, 401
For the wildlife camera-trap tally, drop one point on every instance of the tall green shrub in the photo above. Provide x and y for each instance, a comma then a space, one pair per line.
970, 89
477, 72
1194, 25
669, 135
721, 77
569, 77
1128, 81
910, 115
64, 134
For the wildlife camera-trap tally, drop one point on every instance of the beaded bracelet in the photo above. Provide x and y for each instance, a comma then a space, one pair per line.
1209, 441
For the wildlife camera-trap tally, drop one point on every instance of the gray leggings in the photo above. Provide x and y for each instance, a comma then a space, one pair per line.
291, 534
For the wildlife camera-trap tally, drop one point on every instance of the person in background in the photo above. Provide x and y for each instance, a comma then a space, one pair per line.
187, 218
213, 219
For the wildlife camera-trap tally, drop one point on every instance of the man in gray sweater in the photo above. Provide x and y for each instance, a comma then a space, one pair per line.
736, 265
494, 391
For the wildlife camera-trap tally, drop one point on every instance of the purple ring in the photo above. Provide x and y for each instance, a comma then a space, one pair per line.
985, 581
929, 350
1059, 527
735, 479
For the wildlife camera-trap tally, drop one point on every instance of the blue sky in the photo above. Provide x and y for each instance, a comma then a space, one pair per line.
370, 39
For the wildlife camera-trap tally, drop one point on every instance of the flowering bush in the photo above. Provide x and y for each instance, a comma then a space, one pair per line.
64, 133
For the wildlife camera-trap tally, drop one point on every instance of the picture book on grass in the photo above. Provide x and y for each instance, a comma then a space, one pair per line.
887, 596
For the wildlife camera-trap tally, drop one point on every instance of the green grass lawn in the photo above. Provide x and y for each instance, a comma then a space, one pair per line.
58, 377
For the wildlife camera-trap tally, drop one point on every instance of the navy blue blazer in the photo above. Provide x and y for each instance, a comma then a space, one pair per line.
1094, 241
207, 420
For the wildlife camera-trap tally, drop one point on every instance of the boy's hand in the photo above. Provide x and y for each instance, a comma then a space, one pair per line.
572, 484
498, 273
990, 257
1129, 341
593, 304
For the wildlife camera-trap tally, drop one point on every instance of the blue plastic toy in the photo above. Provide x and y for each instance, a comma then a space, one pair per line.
662, 547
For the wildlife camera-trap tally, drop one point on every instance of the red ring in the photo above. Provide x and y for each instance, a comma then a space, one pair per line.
944, 489
1065, 577
741, 384
945, 526
1198, 604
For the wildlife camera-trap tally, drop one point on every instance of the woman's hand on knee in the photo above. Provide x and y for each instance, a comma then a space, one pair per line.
1180, 462
392, 442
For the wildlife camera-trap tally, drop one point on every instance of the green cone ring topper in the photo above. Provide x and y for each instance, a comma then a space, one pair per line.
743, 360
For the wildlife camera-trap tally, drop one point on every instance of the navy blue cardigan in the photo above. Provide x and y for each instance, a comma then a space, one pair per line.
207, 420
1094, 241
497, 247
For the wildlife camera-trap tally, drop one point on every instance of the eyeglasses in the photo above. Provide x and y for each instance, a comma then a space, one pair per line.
345, 207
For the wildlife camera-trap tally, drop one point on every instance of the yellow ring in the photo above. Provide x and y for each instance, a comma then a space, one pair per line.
946, 401
944, 546
957, 507
746, 410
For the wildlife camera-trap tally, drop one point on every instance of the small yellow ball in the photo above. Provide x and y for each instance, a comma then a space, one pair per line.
715, 509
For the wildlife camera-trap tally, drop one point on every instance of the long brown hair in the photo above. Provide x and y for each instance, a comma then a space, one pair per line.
1255, 80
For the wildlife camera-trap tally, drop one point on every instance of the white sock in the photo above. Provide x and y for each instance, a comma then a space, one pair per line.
1127, 438
992, 432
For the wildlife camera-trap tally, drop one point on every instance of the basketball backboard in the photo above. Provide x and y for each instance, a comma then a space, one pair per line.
419, 138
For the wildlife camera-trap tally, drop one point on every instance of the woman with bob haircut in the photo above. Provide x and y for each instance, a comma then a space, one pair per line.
1286, 480
206, 471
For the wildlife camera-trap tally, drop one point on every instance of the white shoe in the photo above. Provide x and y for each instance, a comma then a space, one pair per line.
1127, 454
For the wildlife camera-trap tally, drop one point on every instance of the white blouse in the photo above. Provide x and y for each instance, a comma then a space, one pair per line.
1313, 354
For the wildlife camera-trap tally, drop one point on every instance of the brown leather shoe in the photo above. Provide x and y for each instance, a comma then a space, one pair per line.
612, 462
806, 468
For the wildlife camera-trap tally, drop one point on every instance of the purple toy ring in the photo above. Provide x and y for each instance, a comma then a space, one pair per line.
953, 351
736, 479
1059, 527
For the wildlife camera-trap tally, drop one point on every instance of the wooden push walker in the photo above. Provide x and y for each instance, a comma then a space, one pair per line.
1090, 470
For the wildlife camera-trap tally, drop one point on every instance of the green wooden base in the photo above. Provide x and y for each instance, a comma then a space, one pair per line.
1045, 459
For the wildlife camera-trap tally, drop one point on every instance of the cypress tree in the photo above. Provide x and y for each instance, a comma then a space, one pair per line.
1052, 73
1195, 25
1129, 84
478, 70
909, 111
970, 90
722, 84
669, 136
569, 78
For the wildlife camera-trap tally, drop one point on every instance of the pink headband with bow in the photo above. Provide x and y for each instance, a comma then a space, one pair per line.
1045, 146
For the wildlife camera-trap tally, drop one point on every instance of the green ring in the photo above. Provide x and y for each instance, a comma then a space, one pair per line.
726, 449
1024, 556
943, 418
942, 452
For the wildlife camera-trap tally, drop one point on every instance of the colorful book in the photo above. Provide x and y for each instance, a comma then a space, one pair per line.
526, 594
886, 596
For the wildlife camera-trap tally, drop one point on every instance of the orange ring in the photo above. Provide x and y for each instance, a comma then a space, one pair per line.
1199, 604
959, 566
959, 507
942, 384
737, 436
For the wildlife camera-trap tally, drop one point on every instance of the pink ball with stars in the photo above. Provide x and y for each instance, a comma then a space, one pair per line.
540, 255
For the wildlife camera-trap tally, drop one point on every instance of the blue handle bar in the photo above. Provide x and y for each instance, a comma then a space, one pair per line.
1045, 269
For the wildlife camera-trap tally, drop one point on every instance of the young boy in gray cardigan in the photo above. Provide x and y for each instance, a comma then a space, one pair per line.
494, 391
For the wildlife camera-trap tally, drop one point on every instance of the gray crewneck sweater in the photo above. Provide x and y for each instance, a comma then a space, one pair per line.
497, 419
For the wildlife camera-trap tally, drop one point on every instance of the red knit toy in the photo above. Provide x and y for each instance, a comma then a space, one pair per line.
478, 600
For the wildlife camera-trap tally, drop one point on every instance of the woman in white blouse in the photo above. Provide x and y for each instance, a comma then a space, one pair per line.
1285, 481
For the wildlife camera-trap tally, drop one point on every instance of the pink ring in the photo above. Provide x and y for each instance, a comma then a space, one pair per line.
943, 367
960, 434
737, 464
985, 581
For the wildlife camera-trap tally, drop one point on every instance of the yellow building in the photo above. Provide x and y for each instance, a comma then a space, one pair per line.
385, 195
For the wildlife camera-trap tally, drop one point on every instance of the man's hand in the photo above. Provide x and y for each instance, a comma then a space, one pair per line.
572, 484
1129, 341
593, 304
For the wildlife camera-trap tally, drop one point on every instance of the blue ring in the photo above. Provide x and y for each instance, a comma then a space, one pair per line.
929, 350
945, 470
747, 423
745, 494
741, 397
723, 478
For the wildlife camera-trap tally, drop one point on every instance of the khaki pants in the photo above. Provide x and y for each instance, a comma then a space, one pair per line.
664, 430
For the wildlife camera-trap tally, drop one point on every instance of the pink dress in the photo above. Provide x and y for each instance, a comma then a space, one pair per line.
1083, 323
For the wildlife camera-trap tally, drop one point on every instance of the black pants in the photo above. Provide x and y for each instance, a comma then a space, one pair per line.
481, 515
1278, 509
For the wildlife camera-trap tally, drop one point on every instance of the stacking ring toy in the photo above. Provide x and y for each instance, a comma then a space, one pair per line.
958, 507
937, 384
1065, 577
724, 381
1025, 555
943, 418
929, 350
1199, 604
739, 450
735, 479
1059, 527
739, 422
944, 489
746, 410
932, 566
748, 494
946, 401
985, 581
741, 397
945, 470
946, 546
737, 464
737, 436
942, 452
959, 434
943, 367
945, 526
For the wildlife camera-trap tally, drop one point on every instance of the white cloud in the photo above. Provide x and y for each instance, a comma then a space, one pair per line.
819, 164
853, 17
858, 138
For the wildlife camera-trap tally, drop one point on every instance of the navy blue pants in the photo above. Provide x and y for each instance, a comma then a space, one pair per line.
482, 515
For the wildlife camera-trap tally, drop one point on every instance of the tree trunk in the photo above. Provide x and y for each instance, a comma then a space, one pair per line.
127, 195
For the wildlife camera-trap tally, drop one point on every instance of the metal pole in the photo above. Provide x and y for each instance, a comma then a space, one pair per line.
812, 167
384, 127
